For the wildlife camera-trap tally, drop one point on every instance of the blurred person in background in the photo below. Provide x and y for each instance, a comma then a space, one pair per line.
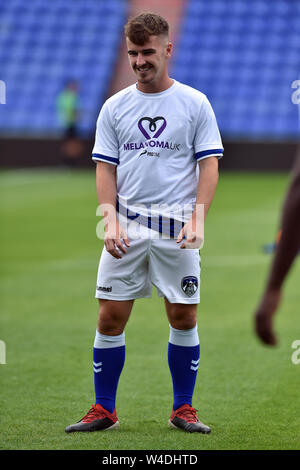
68, 114
285, 254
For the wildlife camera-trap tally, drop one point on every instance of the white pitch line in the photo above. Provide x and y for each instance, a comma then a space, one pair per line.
77, 263
215, 261
19, 178
236, 260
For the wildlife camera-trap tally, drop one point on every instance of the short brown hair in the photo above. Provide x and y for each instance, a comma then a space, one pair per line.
141, 27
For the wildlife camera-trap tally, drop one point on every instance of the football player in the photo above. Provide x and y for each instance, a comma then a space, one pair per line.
157, 145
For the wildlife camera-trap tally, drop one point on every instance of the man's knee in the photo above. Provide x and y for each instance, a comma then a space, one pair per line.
182, 316
113, 316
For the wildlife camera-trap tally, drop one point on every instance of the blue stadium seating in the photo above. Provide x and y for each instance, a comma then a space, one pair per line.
244, 55
44, 43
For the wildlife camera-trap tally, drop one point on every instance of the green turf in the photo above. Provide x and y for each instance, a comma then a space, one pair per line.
247, 393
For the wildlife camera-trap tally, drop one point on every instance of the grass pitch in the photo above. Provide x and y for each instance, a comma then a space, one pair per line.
247, 393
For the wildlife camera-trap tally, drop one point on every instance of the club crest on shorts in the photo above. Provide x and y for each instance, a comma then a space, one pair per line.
189, 285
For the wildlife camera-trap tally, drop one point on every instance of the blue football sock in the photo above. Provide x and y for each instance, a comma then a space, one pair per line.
108, 362
183, 359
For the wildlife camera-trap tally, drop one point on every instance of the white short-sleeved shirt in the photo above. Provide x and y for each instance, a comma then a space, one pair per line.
155, 140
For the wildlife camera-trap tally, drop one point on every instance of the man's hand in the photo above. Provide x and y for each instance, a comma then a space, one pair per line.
263, 317
193, 232
116, 239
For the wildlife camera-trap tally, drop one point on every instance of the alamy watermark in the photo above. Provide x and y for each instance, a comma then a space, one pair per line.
156, 221
2, 352
2, 92
295, 358
296, 94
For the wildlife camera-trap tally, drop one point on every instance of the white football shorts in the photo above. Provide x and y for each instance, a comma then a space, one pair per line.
150, 261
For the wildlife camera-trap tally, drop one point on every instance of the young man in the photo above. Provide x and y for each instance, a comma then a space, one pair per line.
152, 140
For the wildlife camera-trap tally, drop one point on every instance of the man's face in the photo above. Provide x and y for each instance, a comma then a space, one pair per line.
149, 62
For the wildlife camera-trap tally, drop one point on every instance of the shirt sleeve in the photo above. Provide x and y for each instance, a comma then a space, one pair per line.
207, 142
106, 147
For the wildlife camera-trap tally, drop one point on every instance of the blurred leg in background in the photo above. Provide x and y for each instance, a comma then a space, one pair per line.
285, 254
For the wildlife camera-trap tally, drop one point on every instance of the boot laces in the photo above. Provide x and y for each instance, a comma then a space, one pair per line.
93, 413
188, 413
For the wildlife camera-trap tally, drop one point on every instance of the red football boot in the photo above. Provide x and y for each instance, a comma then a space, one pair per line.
186, 418
96, 419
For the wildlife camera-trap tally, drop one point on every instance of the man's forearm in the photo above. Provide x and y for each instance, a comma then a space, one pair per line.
106, 188
115, 239
207, 184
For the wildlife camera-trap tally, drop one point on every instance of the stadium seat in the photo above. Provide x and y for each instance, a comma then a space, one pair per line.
45, 43
244, 56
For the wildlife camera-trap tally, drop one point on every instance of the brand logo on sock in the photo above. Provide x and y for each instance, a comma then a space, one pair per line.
194, 365
189, 285
97, 367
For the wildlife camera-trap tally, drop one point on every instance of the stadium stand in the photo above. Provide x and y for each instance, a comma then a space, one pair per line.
244, 56
43, 44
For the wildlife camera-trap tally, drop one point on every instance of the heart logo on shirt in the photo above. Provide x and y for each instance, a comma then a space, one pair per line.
157, 125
